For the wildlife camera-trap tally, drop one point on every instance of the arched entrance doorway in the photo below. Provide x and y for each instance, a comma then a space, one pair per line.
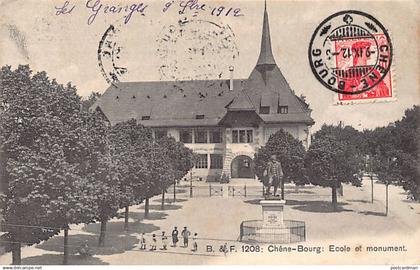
242, 167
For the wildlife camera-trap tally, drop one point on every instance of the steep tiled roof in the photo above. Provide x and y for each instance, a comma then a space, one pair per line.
241, 103
205, 102
181, 103
168, 103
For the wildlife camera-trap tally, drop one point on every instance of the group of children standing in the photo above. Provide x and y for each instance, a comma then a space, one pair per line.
185, 234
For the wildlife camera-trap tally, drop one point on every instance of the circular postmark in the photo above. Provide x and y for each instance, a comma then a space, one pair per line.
182, 51
109, 55
196, 50
350, 52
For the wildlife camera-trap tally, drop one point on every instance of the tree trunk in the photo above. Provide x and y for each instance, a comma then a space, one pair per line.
334, 197
386, 200
126, 218
282, 188
101, 242
16, 254
146, 208
174, 191
371, 184
162, 206
66, 245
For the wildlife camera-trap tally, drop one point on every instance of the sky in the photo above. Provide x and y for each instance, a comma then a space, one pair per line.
66, 46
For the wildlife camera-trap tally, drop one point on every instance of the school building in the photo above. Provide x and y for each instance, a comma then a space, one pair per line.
226, 125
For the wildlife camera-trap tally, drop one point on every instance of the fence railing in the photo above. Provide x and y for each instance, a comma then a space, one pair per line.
245, 191
253, 231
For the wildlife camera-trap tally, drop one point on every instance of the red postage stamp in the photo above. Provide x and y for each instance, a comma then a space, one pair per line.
353, 62
350, 53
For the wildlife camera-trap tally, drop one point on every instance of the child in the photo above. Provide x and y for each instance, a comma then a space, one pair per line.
142, 242
174, 236
164, 241
195, 245
84, 250
153, 245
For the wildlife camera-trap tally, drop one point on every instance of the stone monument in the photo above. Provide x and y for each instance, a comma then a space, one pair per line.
272, 213
272, 221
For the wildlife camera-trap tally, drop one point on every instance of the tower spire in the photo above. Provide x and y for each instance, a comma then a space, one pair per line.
266, 55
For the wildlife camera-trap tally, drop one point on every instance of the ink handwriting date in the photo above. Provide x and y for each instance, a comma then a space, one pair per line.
196, 7
127, 10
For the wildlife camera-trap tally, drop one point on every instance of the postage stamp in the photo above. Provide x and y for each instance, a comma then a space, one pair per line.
350, 53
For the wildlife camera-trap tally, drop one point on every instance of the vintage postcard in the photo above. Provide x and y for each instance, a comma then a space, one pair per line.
204, 132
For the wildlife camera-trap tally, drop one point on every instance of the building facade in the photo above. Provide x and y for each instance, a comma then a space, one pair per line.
223, 121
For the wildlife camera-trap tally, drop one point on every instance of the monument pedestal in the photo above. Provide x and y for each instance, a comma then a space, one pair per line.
273, 223
272, 212
272, 228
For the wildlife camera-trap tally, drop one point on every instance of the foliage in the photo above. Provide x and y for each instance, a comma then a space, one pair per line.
393, 152
408, 130
44, 153
88, 102
289, 151
181, 157
128, 140
333, 159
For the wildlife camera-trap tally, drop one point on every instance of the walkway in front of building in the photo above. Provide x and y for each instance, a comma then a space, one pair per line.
217, 220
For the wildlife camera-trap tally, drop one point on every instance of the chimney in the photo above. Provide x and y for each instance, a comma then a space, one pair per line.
231, 78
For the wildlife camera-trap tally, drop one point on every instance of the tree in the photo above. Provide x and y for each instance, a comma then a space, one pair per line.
394, 152
101, 173
331, 160
290, 152
128, 140
88, 102
408, 133
42, 149
180, 158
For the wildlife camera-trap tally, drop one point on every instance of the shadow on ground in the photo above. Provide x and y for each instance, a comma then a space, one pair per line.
57, 259
298, 192
360, 201
317, 206
170, 200
372, 213
139, 216
410, 201
114, 244
167, 207
117, 228
254, 201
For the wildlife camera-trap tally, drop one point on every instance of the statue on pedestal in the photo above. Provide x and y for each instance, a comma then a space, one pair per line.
273, 177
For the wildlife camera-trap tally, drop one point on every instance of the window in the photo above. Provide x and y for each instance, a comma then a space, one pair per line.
201, 162
200, 136
283, 109
185, 136
249, 136
145, 117
235, 136
215, 136
264, 109
242, 136
216, 161
199, 116
160, 133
